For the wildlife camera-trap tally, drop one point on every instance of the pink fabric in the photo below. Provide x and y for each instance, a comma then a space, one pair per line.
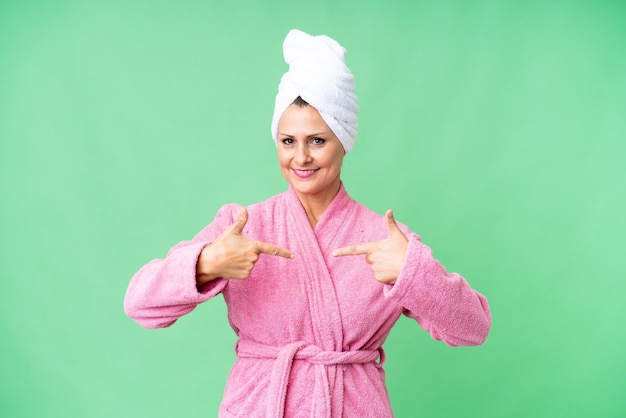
311, 328
301, 350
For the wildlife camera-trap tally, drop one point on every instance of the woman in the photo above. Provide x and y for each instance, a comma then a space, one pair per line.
313, 280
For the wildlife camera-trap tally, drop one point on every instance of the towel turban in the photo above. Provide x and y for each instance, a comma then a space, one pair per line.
318, 74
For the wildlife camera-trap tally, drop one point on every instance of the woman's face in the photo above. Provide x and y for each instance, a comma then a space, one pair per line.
309, 153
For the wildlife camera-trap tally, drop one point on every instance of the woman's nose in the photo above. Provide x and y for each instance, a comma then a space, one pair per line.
303, 155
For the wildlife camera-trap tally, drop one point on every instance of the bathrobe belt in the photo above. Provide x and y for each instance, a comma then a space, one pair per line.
300, 350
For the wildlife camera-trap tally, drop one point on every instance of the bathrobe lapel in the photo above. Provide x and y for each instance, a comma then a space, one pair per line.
314, 248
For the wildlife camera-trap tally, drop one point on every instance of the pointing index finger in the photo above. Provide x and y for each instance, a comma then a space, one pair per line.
353, 250
270, 249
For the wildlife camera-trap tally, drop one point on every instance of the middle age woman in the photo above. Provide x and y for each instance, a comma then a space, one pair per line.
313, 280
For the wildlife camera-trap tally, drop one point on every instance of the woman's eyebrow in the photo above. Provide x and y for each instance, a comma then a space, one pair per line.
308, 135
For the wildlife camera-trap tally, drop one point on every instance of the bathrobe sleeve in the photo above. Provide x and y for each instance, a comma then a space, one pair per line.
442, 303
165, 289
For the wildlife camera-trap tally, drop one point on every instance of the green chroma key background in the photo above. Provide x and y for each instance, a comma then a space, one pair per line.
495, 129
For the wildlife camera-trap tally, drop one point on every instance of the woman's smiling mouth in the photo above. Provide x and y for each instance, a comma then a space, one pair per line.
303, 174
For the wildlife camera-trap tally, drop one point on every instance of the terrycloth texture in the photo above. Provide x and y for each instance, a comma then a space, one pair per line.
301, 350
318, 74
311, 328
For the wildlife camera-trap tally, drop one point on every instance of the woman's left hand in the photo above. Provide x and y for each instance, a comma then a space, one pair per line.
385, 257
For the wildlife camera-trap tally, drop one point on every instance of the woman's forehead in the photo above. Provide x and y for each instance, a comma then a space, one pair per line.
302, 120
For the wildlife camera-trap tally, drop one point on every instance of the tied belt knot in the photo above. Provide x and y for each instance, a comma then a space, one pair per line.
300, 350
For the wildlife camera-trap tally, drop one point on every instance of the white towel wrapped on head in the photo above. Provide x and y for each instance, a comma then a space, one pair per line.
318, 74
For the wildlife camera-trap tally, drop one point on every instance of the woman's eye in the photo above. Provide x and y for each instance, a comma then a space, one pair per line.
318, 141
287, 141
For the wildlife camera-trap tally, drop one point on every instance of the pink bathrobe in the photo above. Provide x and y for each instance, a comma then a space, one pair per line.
311, 328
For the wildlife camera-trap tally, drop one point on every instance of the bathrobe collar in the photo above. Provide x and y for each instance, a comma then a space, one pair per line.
315, 247
332, 219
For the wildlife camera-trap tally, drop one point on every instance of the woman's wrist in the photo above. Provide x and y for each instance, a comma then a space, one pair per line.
204, 271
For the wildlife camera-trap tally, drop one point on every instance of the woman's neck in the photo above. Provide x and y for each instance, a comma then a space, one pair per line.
316, 205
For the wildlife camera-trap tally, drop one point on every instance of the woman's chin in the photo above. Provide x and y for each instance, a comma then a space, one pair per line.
314, 189
304, 189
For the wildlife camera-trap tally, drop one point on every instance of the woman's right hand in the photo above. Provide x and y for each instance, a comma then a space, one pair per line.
233, 255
